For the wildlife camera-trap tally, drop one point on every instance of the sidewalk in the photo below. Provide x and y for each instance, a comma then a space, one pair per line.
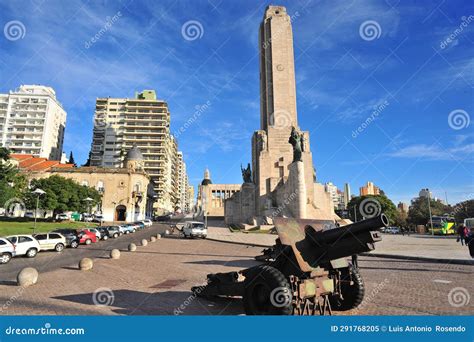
417, 247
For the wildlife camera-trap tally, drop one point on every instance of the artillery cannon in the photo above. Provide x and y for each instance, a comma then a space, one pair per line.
305, 273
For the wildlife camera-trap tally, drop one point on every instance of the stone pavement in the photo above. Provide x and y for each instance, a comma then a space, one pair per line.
417, 247
156, 280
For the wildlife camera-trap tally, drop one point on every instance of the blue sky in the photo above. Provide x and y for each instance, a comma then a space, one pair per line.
405, 65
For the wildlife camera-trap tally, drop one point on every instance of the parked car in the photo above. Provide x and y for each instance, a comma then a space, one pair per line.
29, 214
164, 218
87, 217
127, 229
140, 225
98, 234
7, 251
86, 236
147, 222
72, 239
194, 229
25, 245
392, 230
51, 241
112, 231
98, 218
104, 233
62, 217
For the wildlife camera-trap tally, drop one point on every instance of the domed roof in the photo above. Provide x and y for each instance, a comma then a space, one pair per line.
134, 154
207, 178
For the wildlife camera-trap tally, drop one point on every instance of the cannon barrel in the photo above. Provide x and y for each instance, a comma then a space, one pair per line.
356, 228
321, 246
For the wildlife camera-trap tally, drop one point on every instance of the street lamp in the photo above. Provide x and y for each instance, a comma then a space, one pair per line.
38, 192
89, 201
429, 210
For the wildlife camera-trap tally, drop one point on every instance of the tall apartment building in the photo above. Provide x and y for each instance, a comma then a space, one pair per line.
347, 195
369, 189
143, 121
335, 194
32, 121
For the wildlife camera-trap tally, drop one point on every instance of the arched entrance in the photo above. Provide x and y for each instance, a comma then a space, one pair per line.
120, 213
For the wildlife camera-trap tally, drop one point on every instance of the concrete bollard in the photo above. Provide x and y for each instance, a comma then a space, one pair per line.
153, 239
27, 277
86, 264
115, 254
158, 236
132, 247
144, 242
167, 232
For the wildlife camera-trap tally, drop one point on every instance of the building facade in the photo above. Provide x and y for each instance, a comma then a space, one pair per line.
369, 189
211, 197
32, 121
126, 192
144, 121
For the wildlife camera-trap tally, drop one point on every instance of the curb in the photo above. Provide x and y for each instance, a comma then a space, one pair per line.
375, 255
407, 257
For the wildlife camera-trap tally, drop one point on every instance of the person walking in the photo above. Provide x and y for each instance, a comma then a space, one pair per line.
466, 232
461, 236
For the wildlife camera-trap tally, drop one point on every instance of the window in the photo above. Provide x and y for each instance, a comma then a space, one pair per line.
40, 237
54, 236
13, 239
2, 243
22, 239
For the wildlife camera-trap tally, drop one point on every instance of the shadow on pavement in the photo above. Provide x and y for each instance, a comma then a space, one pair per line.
244, 263
128, 302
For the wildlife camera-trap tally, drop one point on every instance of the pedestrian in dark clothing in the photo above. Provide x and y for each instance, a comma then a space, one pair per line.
461, 235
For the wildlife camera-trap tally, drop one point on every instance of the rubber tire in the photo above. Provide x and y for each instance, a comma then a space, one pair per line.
28, 252
74, 244
116, 235
105, 238
59, 247
88, 242
267, 278
5, 258
353, 294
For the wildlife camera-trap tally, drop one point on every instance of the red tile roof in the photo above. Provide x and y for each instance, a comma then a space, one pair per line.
28, 162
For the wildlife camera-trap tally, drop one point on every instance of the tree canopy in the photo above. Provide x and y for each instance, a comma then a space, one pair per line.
419, 211
12, 183
62, 194
368, 206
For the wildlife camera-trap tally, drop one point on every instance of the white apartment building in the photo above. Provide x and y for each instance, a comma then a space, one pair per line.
144, 121
32, 121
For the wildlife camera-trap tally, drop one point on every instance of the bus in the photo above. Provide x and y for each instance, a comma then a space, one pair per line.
442, 225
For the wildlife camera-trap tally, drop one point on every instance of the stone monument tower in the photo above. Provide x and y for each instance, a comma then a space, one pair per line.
271, 152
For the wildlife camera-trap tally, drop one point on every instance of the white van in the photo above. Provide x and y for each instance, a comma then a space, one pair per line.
194, 229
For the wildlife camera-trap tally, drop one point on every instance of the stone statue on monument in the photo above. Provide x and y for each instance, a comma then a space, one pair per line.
246, 173
297, 141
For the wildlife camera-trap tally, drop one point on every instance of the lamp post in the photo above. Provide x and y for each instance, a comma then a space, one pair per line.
38, 192
204, 202
429, 210
88, 200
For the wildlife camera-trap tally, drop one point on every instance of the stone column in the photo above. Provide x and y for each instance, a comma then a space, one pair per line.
297, 190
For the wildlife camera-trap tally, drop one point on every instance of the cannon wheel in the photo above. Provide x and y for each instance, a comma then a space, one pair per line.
353, 294
267, 292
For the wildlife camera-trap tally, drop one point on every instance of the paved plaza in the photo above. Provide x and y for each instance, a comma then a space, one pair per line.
156, 280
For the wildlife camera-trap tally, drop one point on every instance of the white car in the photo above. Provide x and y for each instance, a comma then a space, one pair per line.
147, 222
392, 230
87, 217
7, 251
98, 218
51, 241
62, 217
25, 245
194, 229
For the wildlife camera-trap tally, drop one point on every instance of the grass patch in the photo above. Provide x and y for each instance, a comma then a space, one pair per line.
11, 227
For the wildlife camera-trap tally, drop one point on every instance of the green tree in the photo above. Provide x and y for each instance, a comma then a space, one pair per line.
371, 205
463, 210
419, 211
71, 159
62, 195
12, 183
